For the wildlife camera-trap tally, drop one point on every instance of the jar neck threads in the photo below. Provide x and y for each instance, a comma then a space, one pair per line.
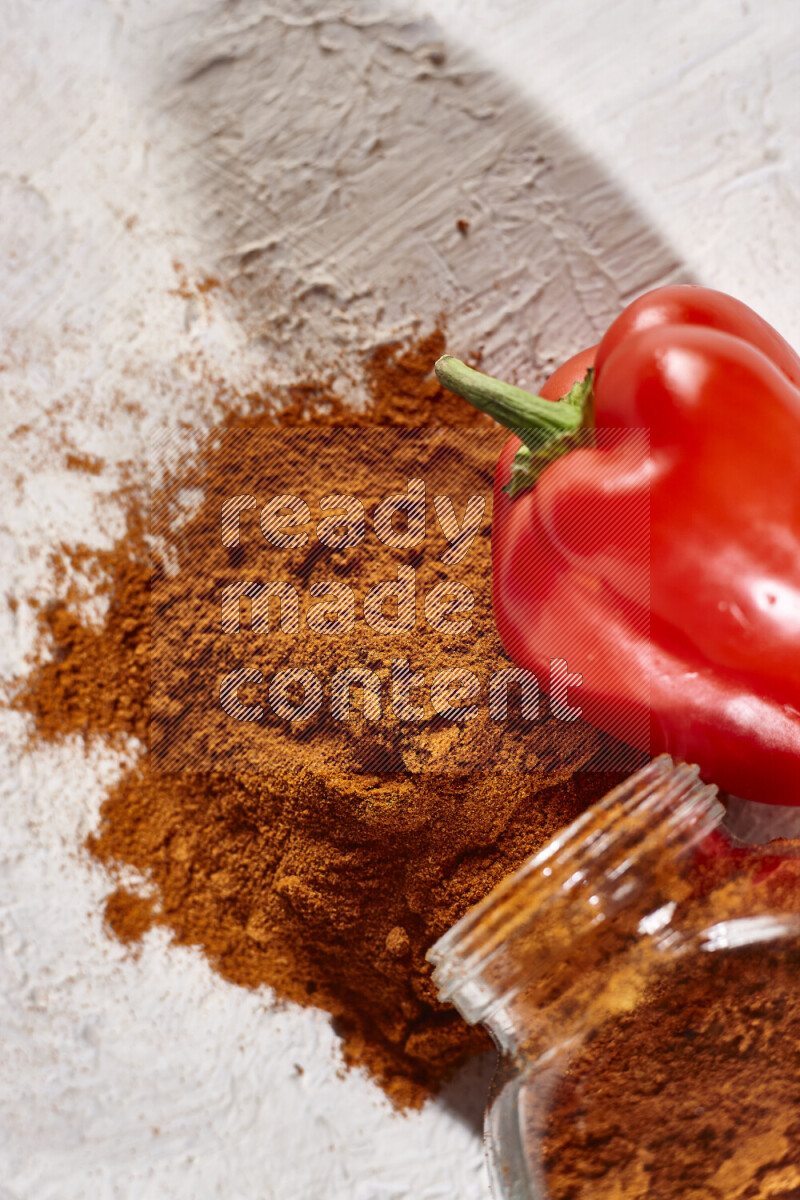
616, 862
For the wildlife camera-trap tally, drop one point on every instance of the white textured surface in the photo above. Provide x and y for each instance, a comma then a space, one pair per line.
317, 157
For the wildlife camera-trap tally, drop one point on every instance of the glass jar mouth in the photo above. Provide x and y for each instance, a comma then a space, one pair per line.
593, 867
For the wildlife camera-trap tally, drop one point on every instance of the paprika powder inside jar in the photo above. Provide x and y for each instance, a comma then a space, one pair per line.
641, 979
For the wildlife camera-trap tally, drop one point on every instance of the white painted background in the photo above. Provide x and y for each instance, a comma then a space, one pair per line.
595, 147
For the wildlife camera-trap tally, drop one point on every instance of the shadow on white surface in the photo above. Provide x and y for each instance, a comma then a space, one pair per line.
467, 1093
323, 156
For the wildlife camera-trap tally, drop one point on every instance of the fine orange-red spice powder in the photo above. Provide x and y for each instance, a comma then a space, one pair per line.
326, 886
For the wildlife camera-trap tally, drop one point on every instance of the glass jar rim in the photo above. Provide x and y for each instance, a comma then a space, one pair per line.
663, 809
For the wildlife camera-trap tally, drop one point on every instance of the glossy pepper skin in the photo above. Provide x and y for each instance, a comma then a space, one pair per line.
667, 571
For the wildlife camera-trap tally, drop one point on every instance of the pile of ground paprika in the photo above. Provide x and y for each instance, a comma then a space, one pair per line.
326, 886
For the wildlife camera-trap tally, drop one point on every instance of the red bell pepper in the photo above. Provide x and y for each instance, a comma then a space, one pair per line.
668, 577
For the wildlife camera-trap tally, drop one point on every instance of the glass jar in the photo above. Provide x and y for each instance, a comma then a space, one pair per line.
641, 979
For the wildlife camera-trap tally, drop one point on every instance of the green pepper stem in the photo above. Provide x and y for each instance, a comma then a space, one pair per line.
517, 410
546, 428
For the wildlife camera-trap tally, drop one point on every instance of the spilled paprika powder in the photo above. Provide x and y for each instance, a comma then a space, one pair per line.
327, 887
